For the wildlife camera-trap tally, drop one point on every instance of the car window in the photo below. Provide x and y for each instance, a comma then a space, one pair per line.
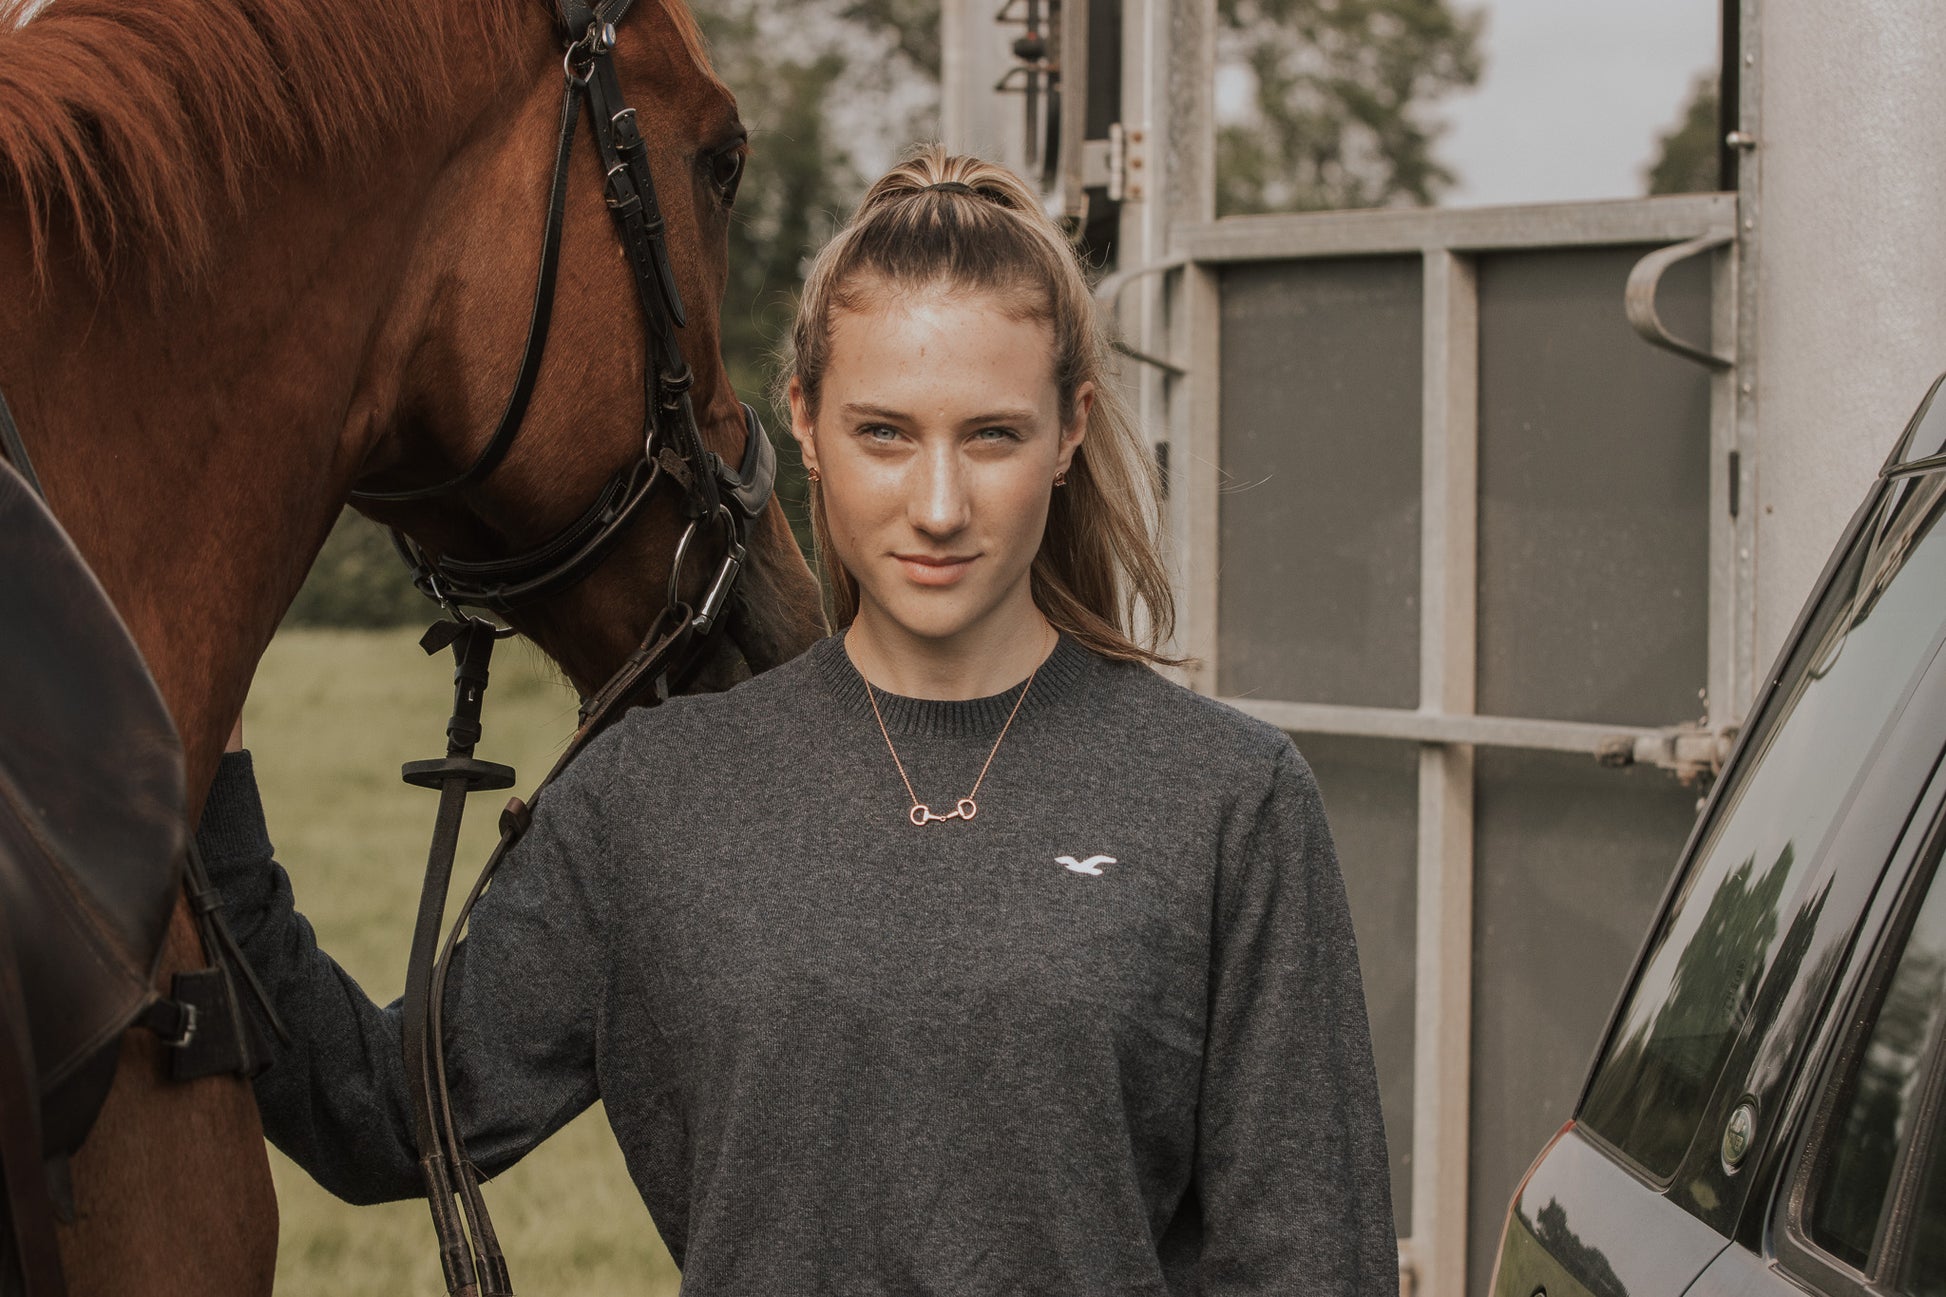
1876, 627
1878, 1106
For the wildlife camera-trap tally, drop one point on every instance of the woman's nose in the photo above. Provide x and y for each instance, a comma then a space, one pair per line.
938, 504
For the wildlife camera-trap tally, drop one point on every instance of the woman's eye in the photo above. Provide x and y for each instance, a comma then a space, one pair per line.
997, 434
878, 432
726, 173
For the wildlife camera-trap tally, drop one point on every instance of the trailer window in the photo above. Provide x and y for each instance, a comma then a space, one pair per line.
1877, 625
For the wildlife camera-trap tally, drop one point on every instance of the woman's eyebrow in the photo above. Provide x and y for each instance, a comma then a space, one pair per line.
868, 411
864, 409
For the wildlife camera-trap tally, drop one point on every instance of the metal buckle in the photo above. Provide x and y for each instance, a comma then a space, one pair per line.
188, 1026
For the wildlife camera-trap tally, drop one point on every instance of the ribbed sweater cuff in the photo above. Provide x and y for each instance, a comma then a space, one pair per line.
233, 815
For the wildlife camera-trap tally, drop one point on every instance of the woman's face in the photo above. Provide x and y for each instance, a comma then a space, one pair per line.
937, 440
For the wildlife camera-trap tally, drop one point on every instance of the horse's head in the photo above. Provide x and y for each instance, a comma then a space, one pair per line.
463, 313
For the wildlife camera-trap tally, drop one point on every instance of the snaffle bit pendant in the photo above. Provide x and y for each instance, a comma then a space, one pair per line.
924, 814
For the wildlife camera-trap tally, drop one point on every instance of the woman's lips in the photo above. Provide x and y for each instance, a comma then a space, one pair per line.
921, 570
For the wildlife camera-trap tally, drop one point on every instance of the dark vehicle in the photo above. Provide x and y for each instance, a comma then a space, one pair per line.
1767, 1113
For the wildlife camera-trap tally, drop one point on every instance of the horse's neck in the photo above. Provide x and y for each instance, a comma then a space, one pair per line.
198, 451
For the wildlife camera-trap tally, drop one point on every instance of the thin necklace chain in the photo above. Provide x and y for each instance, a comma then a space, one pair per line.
966, 808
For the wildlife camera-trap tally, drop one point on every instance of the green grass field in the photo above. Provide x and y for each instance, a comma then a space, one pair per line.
331, 716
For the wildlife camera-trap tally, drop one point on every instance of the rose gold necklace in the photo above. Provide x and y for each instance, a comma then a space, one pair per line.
966, 808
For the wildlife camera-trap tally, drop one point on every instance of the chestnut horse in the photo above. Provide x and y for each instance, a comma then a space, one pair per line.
256, 254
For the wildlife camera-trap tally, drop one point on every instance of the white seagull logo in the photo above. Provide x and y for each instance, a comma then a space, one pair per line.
1092, 865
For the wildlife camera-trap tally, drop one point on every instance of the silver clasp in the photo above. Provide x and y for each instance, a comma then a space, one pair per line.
579, 61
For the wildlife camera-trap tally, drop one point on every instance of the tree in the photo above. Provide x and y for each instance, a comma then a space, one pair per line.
912, 24
358, 580
1687, 154
1340, 91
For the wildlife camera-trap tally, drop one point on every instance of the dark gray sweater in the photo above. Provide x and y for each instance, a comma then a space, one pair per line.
848, 1055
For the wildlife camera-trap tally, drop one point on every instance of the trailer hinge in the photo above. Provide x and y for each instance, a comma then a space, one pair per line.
1127, 163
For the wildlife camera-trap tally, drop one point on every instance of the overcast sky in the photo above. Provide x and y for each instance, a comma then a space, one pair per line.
1575, 94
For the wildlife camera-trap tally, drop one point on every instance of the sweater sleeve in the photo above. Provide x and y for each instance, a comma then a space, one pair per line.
521, 1002
1291, 1173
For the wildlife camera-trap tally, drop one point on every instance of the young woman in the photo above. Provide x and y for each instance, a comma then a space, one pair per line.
963, 955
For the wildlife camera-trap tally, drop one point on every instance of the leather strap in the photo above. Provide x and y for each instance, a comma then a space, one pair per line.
501, 585
203, 1021
32, 1210
221, 948
630, 193
471, 1265
455, 1257
631, 198
540, 317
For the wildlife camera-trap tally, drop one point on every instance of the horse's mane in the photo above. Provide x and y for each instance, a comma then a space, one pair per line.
139, 125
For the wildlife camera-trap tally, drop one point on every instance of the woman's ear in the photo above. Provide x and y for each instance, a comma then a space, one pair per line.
1076, 428
807, 444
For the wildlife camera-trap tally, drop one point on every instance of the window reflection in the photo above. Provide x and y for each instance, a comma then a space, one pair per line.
1875, 628
1849, 1197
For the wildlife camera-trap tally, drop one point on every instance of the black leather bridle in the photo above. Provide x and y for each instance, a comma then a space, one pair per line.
713, 495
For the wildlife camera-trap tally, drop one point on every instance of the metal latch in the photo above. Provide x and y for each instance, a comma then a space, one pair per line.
1693, 752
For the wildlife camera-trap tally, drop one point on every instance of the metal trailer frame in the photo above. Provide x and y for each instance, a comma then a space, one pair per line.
1167, 300
1445, 724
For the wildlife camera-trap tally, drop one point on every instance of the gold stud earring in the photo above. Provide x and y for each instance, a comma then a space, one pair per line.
812, 473
1061, 478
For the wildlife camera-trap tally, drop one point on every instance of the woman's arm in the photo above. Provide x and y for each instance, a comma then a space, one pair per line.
520, 1009
1291, 1172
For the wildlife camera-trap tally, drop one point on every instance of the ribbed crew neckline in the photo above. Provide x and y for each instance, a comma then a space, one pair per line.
949, 718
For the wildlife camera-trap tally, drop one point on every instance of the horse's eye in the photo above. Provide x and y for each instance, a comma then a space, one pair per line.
726, 173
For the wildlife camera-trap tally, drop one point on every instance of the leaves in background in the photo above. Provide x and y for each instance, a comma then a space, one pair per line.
1687, 160
1340, 91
